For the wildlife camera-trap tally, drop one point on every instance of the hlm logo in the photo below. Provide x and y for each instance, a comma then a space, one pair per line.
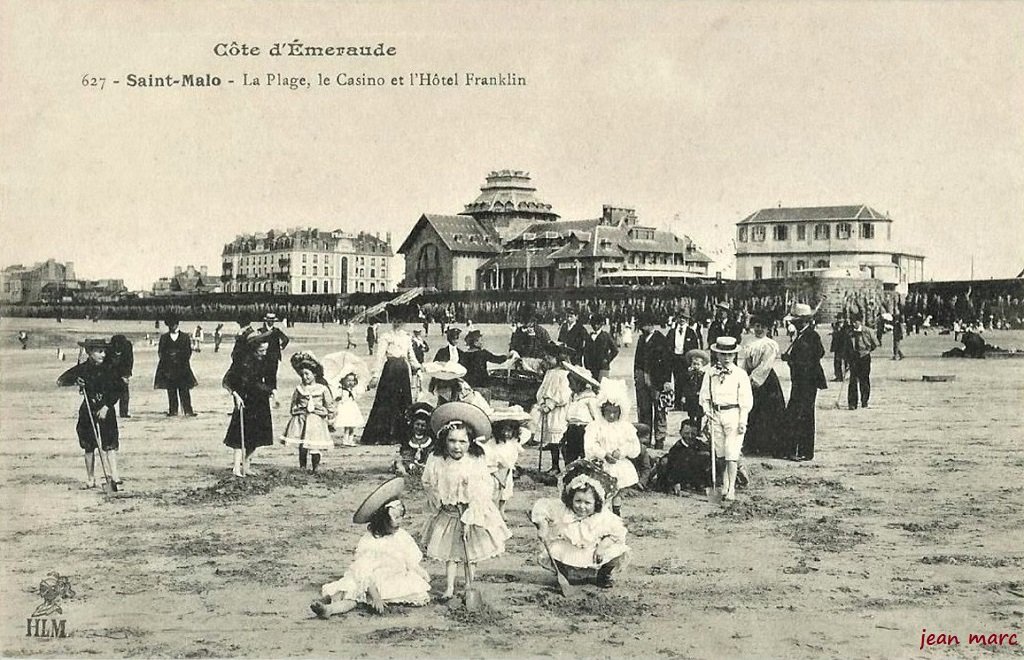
52, 589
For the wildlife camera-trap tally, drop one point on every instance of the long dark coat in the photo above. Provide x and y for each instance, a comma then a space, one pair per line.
248, 377
173, 370
103, 387
804, 358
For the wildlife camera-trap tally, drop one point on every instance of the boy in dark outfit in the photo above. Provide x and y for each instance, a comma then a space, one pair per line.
687, 465
101, 388
121, 361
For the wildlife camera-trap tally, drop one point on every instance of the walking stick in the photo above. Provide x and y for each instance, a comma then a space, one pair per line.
108, 484
540, 446
839, 394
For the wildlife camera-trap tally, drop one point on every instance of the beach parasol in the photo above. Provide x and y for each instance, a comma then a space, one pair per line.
340, 364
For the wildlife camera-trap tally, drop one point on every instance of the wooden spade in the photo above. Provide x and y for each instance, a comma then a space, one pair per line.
714, 493
474, 599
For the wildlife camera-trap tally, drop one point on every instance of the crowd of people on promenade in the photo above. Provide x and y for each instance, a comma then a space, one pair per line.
919, 311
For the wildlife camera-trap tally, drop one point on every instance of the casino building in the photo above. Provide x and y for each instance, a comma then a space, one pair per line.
509, 239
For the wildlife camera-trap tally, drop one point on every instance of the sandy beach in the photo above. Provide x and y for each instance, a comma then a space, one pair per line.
908, 519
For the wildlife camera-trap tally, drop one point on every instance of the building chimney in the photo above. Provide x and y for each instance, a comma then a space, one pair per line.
388, 238
177, 270
202, 271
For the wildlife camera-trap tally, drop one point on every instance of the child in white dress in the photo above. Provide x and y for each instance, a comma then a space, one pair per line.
551, 412
611, 439
502, 451
349, 417
586, 541
466, 526
386, 568
312, 407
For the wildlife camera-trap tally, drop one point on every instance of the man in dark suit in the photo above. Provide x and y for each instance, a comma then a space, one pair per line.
651, 371
574, 335
173, 369
529, 339
599, 349
450, 351
682, 338
723, 325
447, 353
804, 358
277, 341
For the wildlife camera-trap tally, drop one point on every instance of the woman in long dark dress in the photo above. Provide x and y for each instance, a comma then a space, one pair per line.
766, 419
247, 380
396, 362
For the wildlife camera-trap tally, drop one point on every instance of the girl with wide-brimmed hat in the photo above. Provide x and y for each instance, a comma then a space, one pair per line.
387, 565
582, 410
312, 408
466, 526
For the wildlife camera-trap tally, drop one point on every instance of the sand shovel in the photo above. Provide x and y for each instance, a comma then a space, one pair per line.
109, 486
567, 588
474, 599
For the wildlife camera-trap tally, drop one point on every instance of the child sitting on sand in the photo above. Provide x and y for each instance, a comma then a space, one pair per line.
418, 442
586, 542
386, 568
687, 465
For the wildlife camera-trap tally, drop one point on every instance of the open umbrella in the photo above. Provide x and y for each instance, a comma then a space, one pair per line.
340, 364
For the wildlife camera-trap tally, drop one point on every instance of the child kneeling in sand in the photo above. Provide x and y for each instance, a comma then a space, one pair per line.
586, 541
386, 568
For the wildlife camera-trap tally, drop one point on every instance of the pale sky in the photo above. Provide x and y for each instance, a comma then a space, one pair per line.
708, 111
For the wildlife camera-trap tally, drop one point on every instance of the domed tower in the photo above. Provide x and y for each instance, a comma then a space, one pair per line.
508, 203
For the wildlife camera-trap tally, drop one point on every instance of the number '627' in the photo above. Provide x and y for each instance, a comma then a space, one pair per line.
93, 81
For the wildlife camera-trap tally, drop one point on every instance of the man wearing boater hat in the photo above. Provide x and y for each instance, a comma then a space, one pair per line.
804, 359
277, 341
726, 398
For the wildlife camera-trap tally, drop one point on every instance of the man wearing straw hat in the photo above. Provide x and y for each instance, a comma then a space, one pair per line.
277, 341
804, 359
101, 388
726, 398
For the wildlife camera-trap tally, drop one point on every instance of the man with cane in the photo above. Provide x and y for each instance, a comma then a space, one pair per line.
97, 418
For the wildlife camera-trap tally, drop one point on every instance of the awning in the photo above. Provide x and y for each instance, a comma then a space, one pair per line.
632, 274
